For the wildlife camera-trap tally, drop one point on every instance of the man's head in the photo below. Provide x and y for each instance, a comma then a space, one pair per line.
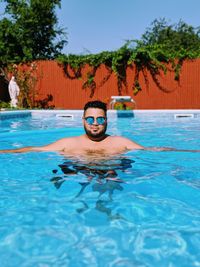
95, 120
95, 104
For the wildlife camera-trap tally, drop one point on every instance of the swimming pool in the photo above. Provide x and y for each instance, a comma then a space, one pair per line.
58, 211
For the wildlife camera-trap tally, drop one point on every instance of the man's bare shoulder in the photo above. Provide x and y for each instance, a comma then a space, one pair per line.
60, 145
123, 141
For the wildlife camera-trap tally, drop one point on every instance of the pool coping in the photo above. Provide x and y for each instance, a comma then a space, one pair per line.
9, 114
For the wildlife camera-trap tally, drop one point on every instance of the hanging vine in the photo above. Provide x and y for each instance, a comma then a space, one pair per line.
141, 59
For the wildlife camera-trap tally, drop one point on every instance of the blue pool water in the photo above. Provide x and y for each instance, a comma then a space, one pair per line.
57, 211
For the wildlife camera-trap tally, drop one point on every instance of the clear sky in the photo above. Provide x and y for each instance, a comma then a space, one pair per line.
104, 25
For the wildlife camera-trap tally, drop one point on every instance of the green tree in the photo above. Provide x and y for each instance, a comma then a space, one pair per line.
29, 31
175, 38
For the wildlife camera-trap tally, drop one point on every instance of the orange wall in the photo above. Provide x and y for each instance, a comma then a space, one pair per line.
68, 94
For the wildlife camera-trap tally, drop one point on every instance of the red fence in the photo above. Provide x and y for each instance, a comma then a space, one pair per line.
68, 94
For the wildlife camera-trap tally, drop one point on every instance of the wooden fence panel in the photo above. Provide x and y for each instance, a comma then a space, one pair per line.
68, 94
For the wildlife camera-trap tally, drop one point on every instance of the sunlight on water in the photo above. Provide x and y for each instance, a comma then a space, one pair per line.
137, 209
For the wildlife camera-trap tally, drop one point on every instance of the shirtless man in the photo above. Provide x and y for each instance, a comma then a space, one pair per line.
95, 140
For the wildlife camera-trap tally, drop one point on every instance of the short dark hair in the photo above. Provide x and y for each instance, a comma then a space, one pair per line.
96, 104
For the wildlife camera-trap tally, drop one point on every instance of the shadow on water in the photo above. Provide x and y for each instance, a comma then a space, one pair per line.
101, 175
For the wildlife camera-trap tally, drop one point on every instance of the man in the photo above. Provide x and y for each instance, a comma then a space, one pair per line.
95, 140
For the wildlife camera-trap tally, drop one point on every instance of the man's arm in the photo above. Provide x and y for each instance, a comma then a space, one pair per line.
134, 146
17, 150
56, 146
170, 149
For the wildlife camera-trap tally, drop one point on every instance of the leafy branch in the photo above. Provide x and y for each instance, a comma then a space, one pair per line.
141, 59
162, 48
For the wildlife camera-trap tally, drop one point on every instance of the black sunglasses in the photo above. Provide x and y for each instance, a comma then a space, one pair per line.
90, 120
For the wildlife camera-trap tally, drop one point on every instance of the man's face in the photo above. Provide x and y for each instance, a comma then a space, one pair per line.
95, 127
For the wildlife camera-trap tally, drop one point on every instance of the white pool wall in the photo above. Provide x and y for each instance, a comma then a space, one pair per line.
73, 114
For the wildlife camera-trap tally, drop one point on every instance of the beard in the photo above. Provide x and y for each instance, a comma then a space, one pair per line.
97, 135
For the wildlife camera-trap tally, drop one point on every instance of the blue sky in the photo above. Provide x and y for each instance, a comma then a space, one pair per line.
99, 25
104, 25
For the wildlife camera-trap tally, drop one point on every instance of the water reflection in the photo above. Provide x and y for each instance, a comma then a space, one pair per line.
102, 175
